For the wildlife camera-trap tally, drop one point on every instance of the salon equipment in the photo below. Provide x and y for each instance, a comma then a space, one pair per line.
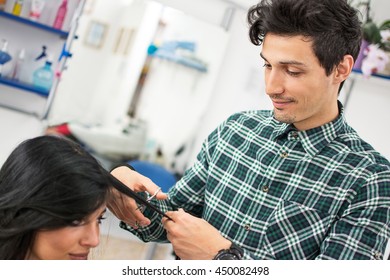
114, 142
181, 52
42, 54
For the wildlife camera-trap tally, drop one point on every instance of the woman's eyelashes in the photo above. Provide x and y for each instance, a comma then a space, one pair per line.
101, 218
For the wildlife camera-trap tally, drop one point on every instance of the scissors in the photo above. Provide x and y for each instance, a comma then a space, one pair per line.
140, 200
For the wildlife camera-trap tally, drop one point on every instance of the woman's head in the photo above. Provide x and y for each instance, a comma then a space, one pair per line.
49, 183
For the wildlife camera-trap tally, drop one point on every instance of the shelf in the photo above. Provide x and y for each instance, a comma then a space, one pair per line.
387, 77
34, 24
24, 86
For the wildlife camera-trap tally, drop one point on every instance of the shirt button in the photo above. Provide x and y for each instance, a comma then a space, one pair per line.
284, 154
294, 134
247, 227
377, 256
265, 188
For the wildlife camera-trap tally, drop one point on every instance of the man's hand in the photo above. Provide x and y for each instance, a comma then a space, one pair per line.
124, 207
193, 238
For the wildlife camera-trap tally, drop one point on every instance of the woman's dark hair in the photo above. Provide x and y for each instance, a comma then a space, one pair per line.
333, 26
46, 183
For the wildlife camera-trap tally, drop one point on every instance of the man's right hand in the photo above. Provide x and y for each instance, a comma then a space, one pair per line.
124, 207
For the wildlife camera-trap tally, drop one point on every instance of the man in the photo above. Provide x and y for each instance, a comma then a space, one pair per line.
295, 183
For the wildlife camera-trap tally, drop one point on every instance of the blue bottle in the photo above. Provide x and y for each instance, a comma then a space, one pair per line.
43, 76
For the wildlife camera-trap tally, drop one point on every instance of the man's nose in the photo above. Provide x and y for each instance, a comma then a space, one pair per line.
274, 82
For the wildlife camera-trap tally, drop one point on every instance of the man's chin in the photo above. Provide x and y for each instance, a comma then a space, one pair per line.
283, 117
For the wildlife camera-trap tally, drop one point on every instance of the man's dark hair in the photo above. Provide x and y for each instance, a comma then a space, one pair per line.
333, 26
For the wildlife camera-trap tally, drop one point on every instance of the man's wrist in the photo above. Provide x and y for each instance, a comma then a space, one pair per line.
121, 165
234, 252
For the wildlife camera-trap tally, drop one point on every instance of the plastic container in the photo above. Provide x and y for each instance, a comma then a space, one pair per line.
36, 9
4, 55
2, 4
43, 76
17, 7
18, 65
61, 14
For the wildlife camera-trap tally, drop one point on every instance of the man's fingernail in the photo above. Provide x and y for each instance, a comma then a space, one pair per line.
144, 223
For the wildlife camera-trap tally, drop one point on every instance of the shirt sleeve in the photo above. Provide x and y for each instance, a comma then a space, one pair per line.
362, 231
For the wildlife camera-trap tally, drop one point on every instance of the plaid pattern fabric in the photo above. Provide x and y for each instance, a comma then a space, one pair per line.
280, 193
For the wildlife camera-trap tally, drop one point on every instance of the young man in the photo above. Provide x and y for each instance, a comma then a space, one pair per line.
295, 183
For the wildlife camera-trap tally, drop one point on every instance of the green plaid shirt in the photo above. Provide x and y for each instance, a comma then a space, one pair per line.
280, 193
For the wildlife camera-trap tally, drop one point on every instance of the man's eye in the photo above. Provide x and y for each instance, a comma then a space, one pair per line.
293, 73
268, 66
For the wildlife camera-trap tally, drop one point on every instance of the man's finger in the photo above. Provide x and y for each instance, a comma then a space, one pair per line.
151, 188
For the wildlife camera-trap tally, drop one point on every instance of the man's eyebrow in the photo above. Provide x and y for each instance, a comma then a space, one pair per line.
262, 56
286, 62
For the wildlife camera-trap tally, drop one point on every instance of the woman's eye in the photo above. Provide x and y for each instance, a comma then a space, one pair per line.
100, 219
77, 223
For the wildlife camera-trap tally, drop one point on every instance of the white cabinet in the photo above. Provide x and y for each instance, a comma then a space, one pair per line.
22, 33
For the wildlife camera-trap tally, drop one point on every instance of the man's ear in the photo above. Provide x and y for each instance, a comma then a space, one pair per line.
344, 68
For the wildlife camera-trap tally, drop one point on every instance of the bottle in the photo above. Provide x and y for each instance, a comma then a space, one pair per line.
2, 4
43, 76
4, 55
61, 13
17, 7
36, 9
18, 65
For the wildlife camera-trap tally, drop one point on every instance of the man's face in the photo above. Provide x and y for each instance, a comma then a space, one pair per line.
299, 89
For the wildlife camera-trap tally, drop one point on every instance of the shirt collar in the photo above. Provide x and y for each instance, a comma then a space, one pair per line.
315, 139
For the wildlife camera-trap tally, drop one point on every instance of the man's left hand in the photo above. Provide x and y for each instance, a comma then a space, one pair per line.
193, 238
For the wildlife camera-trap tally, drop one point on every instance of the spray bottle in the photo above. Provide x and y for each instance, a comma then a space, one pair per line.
43, 76
4, 55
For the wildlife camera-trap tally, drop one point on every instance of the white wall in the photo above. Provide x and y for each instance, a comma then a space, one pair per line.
98, 84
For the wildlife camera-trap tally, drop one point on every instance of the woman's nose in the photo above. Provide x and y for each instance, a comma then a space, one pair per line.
91, 236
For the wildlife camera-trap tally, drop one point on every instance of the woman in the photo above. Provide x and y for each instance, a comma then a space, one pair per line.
53, 196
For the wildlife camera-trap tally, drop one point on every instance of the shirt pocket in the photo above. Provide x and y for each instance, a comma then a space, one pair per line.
295, 231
